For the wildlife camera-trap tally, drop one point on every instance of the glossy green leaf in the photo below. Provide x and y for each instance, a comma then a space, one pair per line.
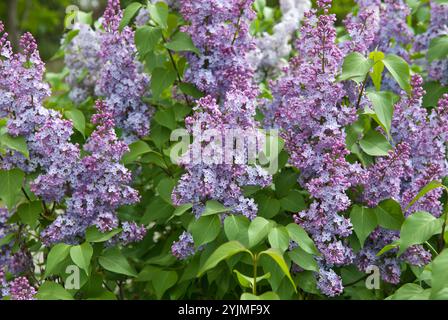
299, 235
129, 13
82, 255
375, 144
278, 258
78, 119
205, 229
29, 212
258, 230
355, 67
418, 228
399, 69
112, 260
182, 42
364, 222
55, 257
279, 238
52, 291
223, 252
10, 186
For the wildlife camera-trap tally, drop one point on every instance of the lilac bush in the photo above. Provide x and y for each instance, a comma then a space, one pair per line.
305, 148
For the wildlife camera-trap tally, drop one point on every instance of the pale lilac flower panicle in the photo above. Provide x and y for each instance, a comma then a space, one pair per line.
121, 80
184, 247
20, 289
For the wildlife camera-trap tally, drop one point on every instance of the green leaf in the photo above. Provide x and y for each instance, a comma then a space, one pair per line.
82, 255
146, 39
165, 189
248, 282
159, 13
389, 214
284, 182
438, 48
94, 235
191, 90
236, 228
303, 259
265, 296
299, 235
279, 238
364, 222
136, 150
10, 186
428, 188
434, 91
214, 207
259, 228
378, 68
161, 79
388, 247
29, 213
439, 276
418, 228
223, 252
129, 13
182, 42
78, 119
293, 202
399, 69
268, 207
162, 281
355, 67
205, 229
278, 258
55, 257
410, 291
182, 209
375, 144
166, 118
383, 105
15, 143
112, 260
53, 291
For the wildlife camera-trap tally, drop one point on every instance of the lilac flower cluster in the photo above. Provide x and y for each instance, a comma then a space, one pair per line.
104, 63
184, 247
97, 183
99, 186
272, 50
222, 72
46, 134
121, 80
437, 70
220, 30
20, 289
419, 158
308, 108
81, 59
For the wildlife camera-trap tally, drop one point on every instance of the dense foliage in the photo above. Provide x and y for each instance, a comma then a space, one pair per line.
238, 149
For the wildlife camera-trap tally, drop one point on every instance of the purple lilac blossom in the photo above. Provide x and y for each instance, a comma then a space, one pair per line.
220, 30
438, 69
184, 247
20, 289
100, 185
81, 60
272, 50
307, 107
419, 157
121, 80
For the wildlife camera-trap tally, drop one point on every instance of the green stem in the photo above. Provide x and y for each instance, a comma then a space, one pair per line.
254, 286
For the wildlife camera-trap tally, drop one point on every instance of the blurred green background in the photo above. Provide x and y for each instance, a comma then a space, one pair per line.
45, 18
